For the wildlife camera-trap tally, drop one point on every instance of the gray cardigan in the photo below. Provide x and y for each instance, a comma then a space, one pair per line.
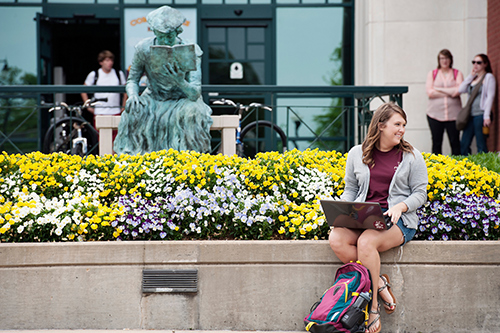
487, 95
408, 185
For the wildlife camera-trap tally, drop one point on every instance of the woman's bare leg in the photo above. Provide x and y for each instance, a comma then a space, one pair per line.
343, 242
370, 244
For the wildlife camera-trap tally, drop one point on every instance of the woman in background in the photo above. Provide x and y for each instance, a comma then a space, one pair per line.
481, 107
444, 102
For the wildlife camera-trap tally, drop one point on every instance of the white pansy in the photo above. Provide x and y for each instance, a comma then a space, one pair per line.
66, 220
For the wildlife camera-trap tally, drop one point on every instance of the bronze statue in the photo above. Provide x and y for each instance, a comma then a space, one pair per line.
170, 113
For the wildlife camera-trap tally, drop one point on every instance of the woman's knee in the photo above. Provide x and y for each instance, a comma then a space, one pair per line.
367, 240
380, 241
339, 239
335, 240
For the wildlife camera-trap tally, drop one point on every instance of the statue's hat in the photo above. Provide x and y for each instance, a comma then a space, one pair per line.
165, 19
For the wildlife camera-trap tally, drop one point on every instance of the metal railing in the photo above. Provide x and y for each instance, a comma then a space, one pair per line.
324, 117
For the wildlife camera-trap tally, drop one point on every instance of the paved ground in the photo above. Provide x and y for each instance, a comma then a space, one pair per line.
136, 331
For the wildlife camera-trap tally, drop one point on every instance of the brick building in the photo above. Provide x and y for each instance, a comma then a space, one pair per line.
494, 56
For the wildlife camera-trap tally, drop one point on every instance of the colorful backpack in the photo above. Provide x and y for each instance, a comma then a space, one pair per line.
344, 306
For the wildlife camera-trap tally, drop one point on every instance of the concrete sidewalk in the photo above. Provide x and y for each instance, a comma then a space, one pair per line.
138, 331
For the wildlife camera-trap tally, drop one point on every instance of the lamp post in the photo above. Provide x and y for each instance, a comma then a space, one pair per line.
7, 101
4, 74
6, 66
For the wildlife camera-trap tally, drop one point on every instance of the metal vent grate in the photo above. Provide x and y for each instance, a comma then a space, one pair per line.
170, 281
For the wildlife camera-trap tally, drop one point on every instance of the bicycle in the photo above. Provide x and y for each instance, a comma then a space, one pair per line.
72, 135
249, 148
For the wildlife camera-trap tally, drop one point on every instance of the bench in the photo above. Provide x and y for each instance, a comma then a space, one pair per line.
227, 124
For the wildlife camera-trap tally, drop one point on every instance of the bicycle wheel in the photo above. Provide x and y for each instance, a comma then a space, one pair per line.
59, 137
262, 135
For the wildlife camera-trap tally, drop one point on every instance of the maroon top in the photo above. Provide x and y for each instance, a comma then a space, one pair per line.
381, 174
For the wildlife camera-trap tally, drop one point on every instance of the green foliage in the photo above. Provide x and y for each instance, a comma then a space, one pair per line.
17, 119
490, 161
14, 76
332, 120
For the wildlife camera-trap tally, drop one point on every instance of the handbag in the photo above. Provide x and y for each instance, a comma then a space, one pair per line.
464, 114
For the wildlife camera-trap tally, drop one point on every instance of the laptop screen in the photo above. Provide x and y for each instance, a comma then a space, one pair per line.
355, 215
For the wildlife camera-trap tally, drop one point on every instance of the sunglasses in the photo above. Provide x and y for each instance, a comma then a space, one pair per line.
476, 62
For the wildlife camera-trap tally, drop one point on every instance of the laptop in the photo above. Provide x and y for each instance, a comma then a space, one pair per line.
355, 215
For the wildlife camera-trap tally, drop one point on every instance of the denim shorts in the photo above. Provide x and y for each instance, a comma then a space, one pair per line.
408, 233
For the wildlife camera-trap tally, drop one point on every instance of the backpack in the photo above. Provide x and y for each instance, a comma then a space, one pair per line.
96, 77
435, 73
344, 306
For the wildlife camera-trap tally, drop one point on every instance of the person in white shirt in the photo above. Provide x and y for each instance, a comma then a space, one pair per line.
106, 76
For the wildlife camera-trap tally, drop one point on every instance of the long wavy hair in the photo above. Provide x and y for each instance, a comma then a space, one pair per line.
380, 118
486, 60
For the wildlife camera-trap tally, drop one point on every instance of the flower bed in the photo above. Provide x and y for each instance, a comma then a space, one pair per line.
462, 201
186, 195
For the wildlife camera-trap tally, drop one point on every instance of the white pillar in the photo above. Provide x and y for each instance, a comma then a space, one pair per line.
227, 124
105, 126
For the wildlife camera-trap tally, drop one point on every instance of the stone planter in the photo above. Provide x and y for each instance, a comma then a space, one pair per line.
242, 285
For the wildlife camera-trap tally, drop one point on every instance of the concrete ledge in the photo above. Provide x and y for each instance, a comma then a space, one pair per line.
243, 285
227, 124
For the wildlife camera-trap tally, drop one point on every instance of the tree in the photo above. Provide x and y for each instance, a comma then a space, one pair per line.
331, 123
17, 111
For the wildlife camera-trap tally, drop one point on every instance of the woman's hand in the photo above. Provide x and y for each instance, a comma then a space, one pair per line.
396, 211
473, 72
174, 73
486, 122
176, 76
133, 103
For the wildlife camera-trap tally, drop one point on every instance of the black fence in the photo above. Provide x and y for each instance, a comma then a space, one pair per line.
323, 117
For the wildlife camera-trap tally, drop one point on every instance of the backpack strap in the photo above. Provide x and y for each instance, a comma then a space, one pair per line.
119, 77
309, 325
434, 73
96, 76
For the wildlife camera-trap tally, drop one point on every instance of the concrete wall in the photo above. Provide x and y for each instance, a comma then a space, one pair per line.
397, 43
243, 285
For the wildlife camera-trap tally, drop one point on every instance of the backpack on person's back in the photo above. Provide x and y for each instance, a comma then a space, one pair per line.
435, 73
117, 72
344, 306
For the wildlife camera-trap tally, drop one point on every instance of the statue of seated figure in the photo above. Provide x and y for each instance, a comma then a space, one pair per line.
170, 113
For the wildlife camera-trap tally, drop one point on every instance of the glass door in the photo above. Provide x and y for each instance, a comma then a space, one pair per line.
237, 52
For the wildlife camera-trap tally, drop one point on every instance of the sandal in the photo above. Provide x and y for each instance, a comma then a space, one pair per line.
389, 307
377, 319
